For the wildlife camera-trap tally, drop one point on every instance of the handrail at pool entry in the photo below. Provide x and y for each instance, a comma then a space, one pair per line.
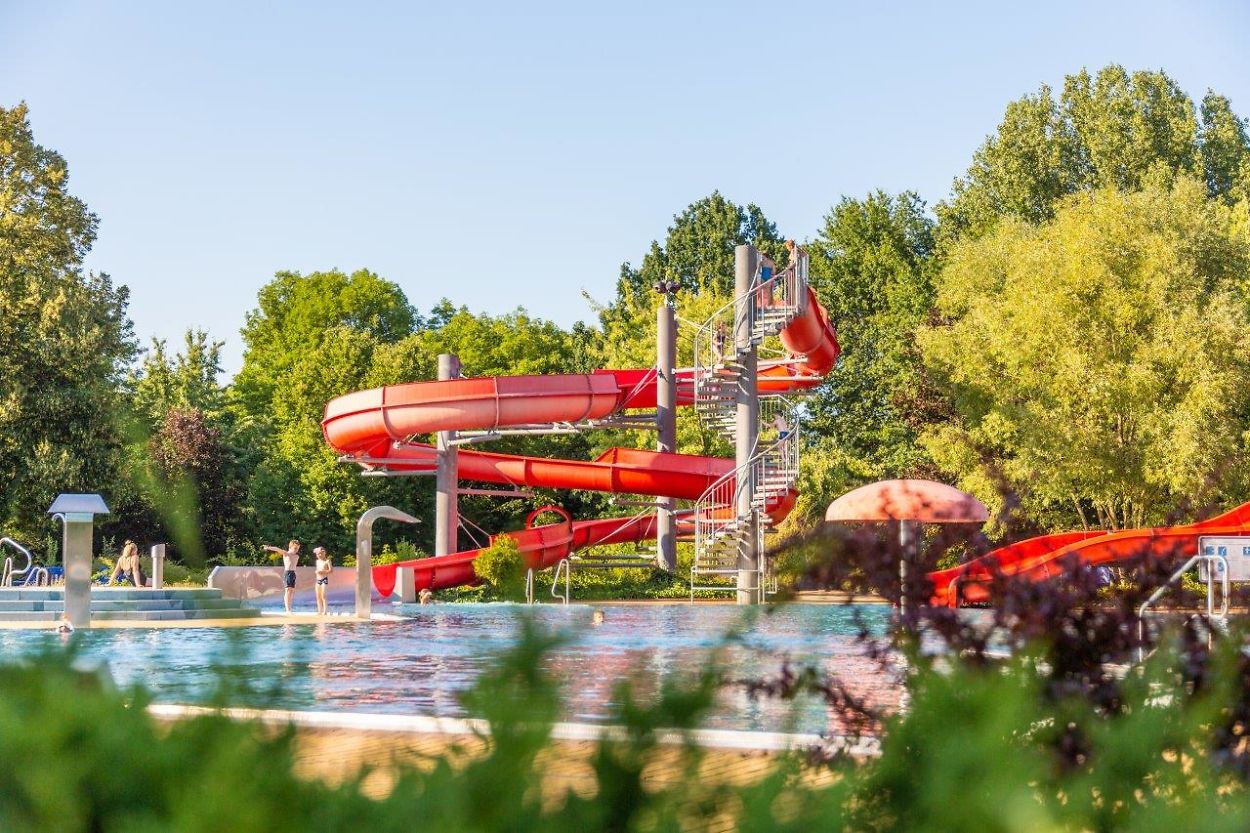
566, 567
1212, 560
9, 574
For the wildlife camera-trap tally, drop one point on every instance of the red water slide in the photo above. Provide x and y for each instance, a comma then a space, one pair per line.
1047, 556
376, 427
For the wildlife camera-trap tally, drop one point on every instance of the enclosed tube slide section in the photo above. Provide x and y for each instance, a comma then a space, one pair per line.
377, 428
1050, 556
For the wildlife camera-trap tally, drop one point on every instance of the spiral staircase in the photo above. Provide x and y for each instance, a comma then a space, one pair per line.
721, 525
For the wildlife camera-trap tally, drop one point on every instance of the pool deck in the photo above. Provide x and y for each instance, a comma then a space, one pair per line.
335, 746
269, 619
264, 621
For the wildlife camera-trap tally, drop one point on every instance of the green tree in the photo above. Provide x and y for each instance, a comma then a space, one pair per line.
698, 250
189, 379
870, 266
295, 313
1225, 148
1108, 130
1099, 360
65, 340
187, 454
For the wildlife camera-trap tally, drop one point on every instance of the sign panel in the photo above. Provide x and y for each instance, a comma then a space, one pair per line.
1235, 549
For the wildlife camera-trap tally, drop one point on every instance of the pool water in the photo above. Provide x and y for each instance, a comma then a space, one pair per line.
419, 665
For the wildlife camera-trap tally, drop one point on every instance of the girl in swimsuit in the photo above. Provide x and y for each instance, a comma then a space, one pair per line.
323, 570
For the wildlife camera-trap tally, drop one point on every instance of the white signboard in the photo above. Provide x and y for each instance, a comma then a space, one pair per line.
1236, 550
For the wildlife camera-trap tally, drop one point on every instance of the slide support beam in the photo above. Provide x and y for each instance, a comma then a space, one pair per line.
746, 266
666, 423
447, 494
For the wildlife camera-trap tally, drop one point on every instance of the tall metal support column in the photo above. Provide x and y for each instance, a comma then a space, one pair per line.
447, 496
746, 264
666, 422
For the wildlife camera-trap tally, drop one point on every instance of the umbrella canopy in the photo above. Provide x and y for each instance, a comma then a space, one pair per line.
908, 500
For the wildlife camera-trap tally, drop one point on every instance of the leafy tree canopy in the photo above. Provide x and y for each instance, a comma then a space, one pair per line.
189, 379
65, 340
294, 314
1099, 359
698, 251
1107, 130
870, 267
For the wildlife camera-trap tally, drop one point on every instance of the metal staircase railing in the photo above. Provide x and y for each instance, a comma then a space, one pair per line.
719, 526
774, 302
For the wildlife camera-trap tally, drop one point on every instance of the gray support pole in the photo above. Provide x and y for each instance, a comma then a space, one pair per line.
158, 566
406, 585
364, 554
447, 494
907, 539
77, 558
666, 422
746, 264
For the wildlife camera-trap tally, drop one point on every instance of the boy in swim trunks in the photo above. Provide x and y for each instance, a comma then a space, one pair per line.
290, 560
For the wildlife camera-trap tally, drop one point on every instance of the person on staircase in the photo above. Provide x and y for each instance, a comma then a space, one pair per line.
781, 425
721, 337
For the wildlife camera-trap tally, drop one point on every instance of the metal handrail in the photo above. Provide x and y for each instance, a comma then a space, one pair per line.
784, 292
9, 574
716, 510
1163, 588
564, 566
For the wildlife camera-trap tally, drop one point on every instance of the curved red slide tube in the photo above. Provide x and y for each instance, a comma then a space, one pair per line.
1048, 556
377, 427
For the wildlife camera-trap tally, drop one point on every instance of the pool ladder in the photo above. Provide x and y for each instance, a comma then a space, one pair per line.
1213, 618
563, 568
31, 575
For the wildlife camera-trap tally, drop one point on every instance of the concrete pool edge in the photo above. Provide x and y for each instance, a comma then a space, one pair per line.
720, 739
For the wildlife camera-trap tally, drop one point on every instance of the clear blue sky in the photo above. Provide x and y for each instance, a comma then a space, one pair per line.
506, 154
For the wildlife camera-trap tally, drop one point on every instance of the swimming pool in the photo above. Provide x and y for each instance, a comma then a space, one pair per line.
420, 664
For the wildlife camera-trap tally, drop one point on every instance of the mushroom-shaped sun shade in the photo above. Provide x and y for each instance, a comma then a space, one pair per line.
907, 500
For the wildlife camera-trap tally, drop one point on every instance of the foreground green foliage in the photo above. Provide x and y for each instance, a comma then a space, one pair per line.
981, 747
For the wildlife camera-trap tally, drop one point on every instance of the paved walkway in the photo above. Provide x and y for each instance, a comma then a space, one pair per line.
335, 746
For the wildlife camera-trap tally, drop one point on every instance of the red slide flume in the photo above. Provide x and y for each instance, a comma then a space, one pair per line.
377, 428
1047, 556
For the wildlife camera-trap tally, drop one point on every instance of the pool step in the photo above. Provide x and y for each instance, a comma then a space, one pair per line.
116, 604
